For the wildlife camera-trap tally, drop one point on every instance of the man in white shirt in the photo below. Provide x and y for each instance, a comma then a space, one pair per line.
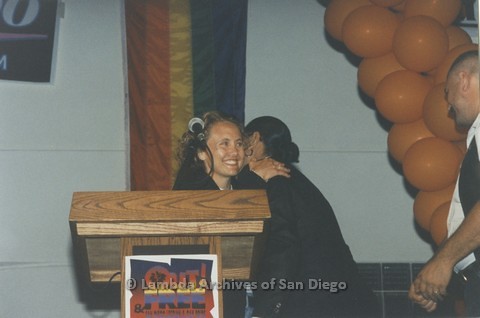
457, 253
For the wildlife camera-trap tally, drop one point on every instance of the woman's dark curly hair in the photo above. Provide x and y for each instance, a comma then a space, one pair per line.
192, 143
276, 137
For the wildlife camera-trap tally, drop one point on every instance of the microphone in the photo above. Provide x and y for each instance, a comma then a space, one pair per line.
196, 125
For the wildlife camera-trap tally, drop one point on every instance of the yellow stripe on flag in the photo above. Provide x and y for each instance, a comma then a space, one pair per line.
181, 83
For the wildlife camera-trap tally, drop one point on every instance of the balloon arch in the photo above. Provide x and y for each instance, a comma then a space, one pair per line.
407, 47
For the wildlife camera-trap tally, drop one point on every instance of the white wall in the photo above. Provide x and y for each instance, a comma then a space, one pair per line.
295, 74
69, 135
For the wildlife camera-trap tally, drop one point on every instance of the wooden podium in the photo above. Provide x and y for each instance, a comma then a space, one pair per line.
107, 226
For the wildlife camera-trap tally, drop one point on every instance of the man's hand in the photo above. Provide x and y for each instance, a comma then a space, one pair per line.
430, 285
428, 305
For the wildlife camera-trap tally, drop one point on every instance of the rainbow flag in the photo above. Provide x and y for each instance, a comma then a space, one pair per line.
185, 57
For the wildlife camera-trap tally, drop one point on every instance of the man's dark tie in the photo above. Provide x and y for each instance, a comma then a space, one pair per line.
469, 182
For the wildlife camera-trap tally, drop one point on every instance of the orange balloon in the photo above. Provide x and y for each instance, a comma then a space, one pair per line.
420, 43
426, 202
403, 136
399, 96
444, 67
435, 115
457, 36
444, 11
399, 7
438, 223
431, 164
337, 11
387, 3
372, 70
462, 145
431, 76
368, 31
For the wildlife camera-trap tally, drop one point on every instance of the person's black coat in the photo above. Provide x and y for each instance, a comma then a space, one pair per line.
193, 179
305, 245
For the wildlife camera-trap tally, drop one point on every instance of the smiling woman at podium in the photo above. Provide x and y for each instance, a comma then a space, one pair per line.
211, 153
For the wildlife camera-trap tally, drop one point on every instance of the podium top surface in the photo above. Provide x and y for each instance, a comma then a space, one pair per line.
101, 223
169, 206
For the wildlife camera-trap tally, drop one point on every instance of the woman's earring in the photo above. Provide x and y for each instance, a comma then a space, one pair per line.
249, 152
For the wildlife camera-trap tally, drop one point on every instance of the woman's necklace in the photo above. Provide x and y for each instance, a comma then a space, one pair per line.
227, 188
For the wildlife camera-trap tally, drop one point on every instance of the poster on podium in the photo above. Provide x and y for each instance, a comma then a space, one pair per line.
171, 286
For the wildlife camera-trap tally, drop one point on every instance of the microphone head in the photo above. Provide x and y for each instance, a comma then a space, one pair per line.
196, 125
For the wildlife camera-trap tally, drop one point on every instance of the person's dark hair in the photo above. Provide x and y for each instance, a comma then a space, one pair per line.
461, 60
276, 137
191, 143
